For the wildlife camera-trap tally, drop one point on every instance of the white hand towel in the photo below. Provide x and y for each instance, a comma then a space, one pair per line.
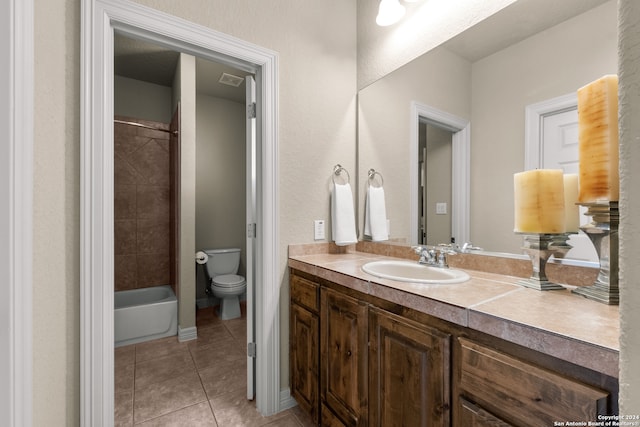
343, 220
375, 215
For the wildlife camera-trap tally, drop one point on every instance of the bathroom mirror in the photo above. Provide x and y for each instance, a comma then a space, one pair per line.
487, 76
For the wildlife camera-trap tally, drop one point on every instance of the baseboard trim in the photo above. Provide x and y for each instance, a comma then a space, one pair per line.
187, 334
286, 400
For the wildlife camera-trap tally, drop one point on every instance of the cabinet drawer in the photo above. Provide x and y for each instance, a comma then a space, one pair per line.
474, 416
523, 393
305, 293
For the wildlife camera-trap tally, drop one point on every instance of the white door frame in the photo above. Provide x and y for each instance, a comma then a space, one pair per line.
99, 20
16, 207
534, 115
460, 168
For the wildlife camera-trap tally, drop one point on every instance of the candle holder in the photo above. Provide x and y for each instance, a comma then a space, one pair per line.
603, 232
540, 247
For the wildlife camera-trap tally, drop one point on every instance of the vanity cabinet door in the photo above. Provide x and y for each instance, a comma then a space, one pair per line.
409, 372
344, 356
304, 346
304, 359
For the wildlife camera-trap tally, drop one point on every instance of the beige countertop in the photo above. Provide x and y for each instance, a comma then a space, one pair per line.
558, 323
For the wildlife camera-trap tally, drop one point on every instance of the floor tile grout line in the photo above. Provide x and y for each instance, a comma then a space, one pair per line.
133, 393
190, 349
200, 379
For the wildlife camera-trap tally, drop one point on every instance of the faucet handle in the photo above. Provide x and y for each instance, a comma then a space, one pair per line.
448, 248
469, 247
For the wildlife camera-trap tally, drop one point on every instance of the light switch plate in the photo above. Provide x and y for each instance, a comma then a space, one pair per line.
318, 229
441, 208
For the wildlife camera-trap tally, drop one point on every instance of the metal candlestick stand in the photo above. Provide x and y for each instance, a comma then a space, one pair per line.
540, 247
603, 232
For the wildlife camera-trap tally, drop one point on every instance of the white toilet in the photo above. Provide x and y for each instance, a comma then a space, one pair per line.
221, 269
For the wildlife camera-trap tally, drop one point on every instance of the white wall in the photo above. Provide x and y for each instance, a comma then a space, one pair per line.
142, 100
439, 79
220, 177
629, 28
555, 62
56, 214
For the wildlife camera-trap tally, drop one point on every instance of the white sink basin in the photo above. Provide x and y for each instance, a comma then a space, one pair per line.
411, 271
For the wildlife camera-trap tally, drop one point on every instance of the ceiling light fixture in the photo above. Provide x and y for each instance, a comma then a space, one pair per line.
389, 12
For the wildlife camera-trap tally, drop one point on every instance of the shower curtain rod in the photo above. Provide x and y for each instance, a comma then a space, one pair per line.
124, 122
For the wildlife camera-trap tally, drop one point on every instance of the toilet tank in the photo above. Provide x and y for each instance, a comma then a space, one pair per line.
222, 261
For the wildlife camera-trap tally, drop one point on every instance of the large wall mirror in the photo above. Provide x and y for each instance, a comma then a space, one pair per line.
486, 76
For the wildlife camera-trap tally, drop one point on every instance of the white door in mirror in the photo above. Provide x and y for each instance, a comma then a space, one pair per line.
560, 151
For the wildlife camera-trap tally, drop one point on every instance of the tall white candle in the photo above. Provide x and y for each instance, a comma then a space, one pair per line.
598, 140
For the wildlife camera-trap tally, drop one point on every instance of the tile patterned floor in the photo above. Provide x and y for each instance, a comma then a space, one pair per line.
196, 383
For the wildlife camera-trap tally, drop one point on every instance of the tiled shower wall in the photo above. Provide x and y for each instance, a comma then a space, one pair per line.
142, 205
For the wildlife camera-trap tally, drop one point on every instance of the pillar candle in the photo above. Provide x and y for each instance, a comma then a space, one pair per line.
539, 201
571, 209
598, 140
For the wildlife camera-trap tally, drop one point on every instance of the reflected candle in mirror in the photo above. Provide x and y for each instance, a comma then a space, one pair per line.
539, 201
571, 208
598, 140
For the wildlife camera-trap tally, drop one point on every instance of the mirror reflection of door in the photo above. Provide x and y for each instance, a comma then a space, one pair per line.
435, 157
559, 150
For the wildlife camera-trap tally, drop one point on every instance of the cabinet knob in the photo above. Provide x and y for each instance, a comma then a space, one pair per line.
348, 352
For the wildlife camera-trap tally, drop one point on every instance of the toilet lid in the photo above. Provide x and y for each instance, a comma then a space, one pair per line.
228, 280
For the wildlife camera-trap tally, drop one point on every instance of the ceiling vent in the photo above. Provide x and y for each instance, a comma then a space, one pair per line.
230, 80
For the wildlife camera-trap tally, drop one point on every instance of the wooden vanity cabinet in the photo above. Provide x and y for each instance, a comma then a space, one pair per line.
357, 360
409, 372
304, 345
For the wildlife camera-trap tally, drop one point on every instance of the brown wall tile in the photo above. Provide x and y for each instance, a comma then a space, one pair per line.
124, 206
142, 206
125, 272
125, 242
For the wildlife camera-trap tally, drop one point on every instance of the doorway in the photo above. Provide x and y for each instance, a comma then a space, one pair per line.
101, 19
435, 184
460, 170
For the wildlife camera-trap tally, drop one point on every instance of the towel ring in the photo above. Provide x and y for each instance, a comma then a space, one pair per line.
372, 175
337, 170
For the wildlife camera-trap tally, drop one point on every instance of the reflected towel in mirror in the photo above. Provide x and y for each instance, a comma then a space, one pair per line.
375, 215
343, 220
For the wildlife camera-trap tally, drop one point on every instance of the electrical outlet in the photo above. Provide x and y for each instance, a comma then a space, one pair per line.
318, 229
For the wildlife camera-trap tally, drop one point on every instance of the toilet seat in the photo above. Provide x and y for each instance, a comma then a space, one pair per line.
228, 281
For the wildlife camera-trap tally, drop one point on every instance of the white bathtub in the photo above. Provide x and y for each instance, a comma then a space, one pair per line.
145, 314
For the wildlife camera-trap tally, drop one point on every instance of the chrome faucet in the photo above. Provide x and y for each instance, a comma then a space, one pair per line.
437, 255
433, 255
427, 255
